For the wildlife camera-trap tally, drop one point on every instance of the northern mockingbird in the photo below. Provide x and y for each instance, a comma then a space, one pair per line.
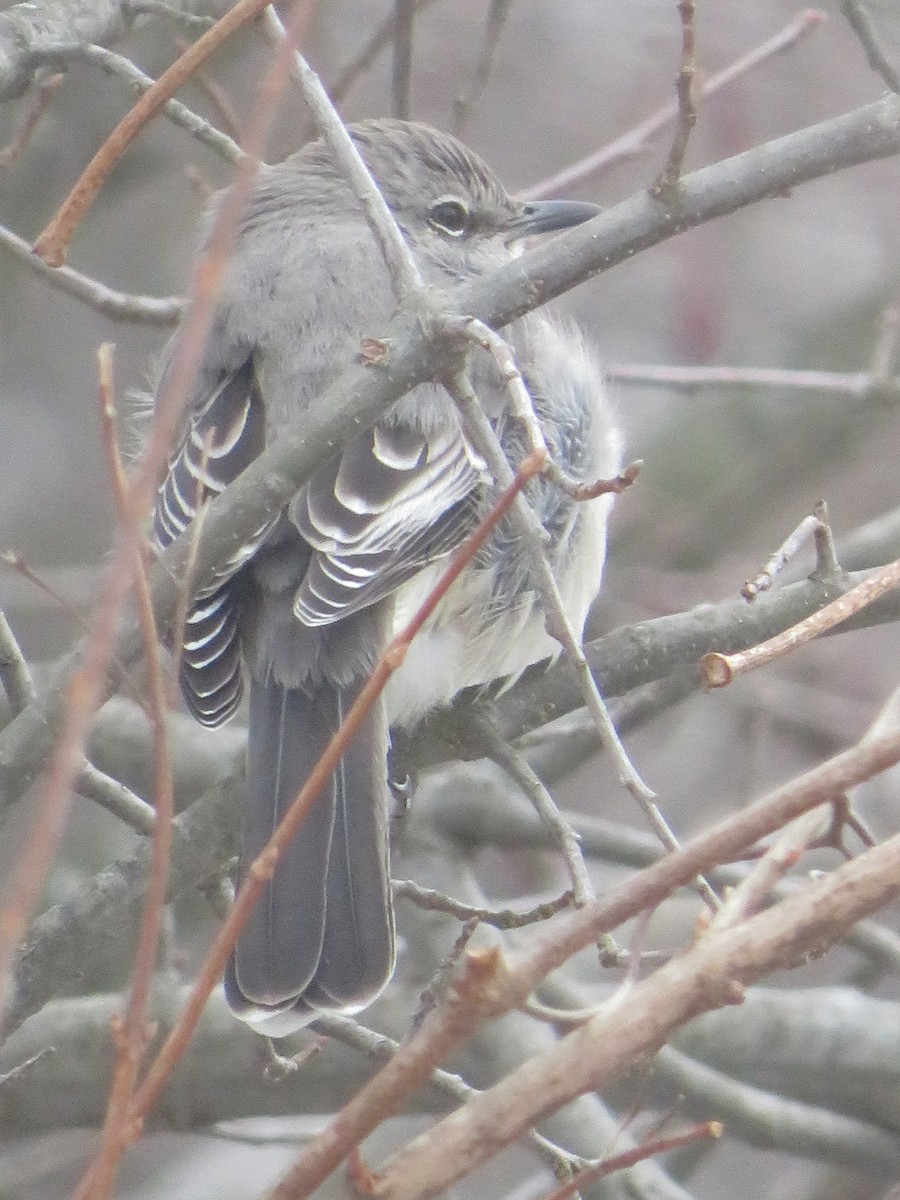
309, 605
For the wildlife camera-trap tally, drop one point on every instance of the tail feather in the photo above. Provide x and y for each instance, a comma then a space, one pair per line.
358, 943
322, 933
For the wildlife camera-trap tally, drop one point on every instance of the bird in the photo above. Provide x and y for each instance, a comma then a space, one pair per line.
305, 607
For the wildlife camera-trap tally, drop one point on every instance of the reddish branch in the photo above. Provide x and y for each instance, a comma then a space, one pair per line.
261, 869
720, 669
52, 243
132, 1033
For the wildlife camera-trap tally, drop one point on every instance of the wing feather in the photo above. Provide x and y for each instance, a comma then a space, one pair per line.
224, 435
390, 504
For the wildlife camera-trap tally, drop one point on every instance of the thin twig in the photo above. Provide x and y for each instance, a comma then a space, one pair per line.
24, 1067
132, 1034
521, 404
499, 918
121, 67
687, 107
860, 22
629, 1158
776, 563
632, 143
559, 627
405, 274
118, 306
15, 560
498, 14
381, 1049
857, 385
51, 244
828, 569
381, 38
750, 895
720, 669
401, 74
162, 9
437, 986
217, 97
15, 676
567, 841
116, 798
12, 151
581, 492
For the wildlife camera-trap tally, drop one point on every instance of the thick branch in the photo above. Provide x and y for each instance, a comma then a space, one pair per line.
64, 941
629, 657
26, 30
635, 1022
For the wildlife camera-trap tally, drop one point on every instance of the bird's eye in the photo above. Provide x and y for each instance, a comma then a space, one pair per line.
450, 216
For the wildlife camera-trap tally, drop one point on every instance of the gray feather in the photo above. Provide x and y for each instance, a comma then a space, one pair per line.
324, 919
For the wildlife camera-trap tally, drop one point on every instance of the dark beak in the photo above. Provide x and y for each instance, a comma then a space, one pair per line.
545, 216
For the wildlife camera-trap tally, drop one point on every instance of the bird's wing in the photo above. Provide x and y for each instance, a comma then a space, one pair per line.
223, 435
392, 502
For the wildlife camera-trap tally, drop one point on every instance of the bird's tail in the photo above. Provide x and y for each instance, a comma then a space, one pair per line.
322, 933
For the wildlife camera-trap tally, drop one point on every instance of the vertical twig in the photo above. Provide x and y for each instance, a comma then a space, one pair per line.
132, 1032
217, 97
633, 142
687, 108
531, 531
12, 152
370, 51
401, 75
498, 14
565, 836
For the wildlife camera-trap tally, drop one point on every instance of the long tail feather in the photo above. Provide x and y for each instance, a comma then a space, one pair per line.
322, 934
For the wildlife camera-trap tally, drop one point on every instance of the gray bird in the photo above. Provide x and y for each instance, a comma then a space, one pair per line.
309, 604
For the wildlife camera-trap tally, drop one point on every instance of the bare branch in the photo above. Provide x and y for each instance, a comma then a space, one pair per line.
132, 1033
398, 257
720, 669
861, 23
118, 66
12, 152
498, 14
633, 142
51, 244
28, 28
14, 673
711, 974
401, 78
116, 798
687, 108
561, 831
118, 306
380, 39
773, 1122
